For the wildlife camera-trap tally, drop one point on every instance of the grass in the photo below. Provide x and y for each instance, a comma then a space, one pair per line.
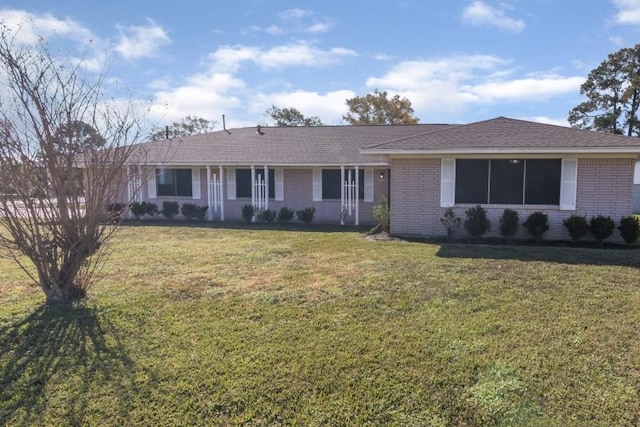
212, 326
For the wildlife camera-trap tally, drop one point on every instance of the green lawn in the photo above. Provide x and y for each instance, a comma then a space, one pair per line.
212, 326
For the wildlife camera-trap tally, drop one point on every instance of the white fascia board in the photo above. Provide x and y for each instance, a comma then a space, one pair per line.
275, 165
609, 150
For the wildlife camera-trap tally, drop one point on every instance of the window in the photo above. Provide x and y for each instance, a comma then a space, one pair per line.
513, 181
243, 182
173, 183
331, 188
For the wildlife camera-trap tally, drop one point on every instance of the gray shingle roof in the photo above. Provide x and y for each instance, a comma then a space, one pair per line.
317, 145
508, 136
369, 145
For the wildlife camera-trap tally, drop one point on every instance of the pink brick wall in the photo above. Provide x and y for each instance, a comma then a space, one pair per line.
605, 187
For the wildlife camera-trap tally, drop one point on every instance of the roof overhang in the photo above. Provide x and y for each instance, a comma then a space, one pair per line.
493, 151
262, 164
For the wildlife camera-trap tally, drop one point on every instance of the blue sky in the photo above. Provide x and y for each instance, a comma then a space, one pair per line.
457, 61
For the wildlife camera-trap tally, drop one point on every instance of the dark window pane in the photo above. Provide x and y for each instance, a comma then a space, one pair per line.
173, 183
243, 183
183, 183
331, 184
165, 182
543, 182
506, 182
472, 181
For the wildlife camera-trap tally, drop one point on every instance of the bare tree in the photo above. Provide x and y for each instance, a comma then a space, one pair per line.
55, 122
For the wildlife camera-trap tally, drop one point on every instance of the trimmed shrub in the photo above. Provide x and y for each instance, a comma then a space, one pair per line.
247, 213
267, 216
200, 212
150, 209
382, 214
285, 214
306, 215
115, 211
509, 224
169, 209
138, 209
537, 224
450, 222
577, 226
629, 229
190, 211
476, 222
601, 227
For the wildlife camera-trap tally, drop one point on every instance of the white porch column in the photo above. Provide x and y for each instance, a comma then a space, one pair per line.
266, 188
357, 196
129, 195
210, 191
129, 189
341, 194
253, 190
139, 182
221, 193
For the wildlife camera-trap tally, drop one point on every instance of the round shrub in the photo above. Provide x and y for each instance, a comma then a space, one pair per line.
601, 227
247, 213
138, 209
537, 224
285, 214
509, 224
267, 216
306, 215
476, 222
169, 209
577, 226
629, 229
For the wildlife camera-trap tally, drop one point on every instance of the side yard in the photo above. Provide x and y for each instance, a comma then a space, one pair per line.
192, 326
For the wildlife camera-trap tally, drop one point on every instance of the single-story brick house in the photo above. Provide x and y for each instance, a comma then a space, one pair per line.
423, 169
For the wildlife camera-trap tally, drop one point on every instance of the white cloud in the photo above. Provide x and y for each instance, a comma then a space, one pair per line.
628, 11
229, 58
455, 84
30, 27
527, 88
320, 27
381, 57
480, 13
205, 95
294, 14
329, 106
274, 29
141, 41
547, 120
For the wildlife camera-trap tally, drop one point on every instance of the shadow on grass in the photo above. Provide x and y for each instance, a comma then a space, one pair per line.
59, 360
550, 253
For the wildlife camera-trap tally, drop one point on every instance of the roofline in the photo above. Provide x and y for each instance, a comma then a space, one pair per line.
261, 164
568, 150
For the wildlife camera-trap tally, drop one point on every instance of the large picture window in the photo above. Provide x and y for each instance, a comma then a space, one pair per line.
331, 183
243, 182
173, 183
513, 181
